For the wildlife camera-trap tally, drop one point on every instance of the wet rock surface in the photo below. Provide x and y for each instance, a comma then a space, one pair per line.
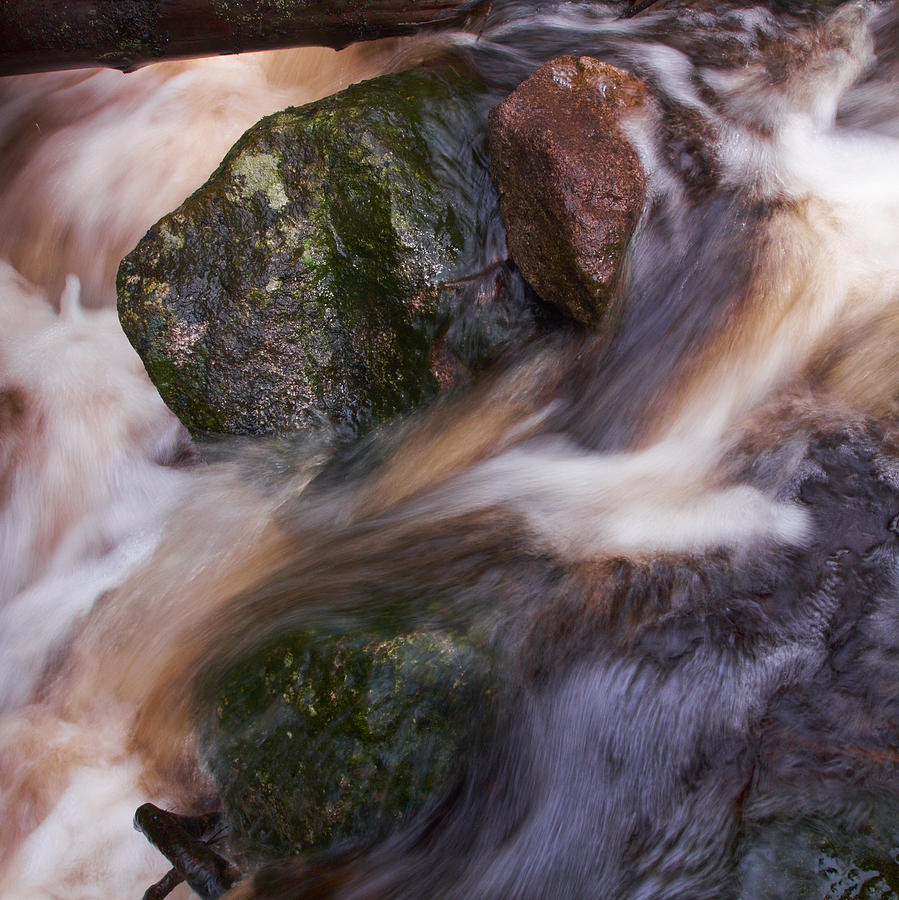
311, 280
571, 185
323, 738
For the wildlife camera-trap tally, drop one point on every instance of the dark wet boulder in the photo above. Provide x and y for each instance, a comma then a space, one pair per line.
309, 281
571, 185
322, 738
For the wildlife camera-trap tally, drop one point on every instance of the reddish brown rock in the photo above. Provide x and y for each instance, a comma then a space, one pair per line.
571, 186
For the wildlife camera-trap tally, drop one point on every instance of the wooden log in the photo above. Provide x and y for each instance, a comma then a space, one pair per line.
41, 35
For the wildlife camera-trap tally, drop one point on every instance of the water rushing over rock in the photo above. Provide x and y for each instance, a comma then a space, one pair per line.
318, 278
675, 541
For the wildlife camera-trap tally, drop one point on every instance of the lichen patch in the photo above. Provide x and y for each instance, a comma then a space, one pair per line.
259, 172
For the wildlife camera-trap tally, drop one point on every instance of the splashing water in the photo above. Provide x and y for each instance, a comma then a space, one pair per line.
677, 536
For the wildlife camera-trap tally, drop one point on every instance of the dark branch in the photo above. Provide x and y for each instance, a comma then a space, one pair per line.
182, 840
126, 34
164, 886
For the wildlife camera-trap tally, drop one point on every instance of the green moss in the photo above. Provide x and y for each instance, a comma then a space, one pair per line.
322, 738
302, 283
830, 857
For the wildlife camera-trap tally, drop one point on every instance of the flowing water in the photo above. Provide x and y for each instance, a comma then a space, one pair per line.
678, 537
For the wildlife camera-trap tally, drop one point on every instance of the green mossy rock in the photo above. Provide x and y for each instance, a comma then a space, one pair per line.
849, 853
323, 738
306, 283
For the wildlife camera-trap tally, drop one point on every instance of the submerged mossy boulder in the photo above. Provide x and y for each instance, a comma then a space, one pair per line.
322, 738
307, 281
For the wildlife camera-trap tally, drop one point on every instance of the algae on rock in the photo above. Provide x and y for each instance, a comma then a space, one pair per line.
301, 285
321, 737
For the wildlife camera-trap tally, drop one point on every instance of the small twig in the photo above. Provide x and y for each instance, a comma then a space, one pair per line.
489, 269
637, 6
164, 886
484, 17
182, 840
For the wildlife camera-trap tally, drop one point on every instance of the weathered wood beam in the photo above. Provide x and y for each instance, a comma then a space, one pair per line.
41, 35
